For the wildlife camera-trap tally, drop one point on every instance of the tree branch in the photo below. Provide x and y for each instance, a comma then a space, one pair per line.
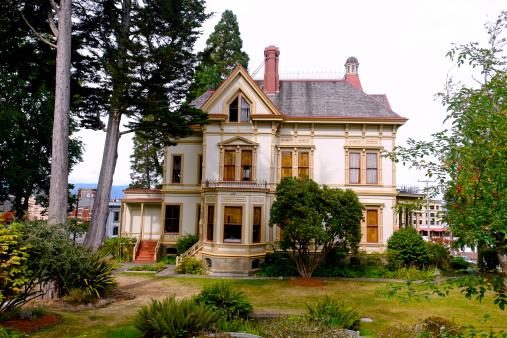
51, 20
35, 32
126, 132
102, 125
55, 6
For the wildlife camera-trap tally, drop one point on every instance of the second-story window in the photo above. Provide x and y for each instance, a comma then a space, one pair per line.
371, 168
229, 165
286, 164
239, 110
355, 168
176, 174
303, 163
246, 165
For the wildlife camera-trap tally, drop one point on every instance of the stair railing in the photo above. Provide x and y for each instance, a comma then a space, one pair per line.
190, 252
158, 246
139, 239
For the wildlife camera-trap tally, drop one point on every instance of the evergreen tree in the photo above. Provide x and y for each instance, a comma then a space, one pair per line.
221, 55
147, 164
27, 103
138, 63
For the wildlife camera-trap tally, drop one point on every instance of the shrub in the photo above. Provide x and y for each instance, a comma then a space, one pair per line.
171, 318
374, 259
299, 326
278, 264
490, 258
10, 333
401, 331
459, 263
439, 255
334, 312
438, 327
186, 242
121, 248
225, 300
410, 246
170, 259
190, 266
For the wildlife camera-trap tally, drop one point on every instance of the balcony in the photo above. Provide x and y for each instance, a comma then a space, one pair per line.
211, 183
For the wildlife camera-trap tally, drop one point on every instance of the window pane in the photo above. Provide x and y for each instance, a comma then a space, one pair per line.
233, 111
176, 169
303, 159
229, 157
372, 234
286, 172
172, 218
303, 172
211, 216
246, 157
354, 176
371, 176
286, 159
245, 111
232, 224
371, 217
229, 173
354, 159
371, 161
256, 228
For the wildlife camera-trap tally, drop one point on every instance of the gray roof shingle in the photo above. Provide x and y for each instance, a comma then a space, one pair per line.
197, 103
333, 98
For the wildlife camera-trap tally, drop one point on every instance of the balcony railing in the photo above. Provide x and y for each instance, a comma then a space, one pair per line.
211, 183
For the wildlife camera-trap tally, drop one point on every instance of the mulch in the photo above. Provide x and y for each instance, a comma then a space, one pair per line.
27, 325
310, 282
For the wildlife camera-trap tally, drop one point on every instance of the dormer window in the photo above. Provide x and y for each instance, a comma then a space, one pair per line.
237, 111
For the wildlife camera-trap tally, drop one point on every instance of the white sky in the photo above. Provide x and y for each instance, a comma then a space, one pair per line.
400, 45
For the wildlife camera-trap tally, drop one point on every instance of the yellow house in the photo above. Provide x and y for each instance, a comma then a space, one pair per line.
220, 182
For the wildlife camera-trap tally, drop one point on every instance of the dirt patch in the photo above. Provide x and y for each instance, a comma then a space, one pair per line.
27, 325
310, 282
116, 295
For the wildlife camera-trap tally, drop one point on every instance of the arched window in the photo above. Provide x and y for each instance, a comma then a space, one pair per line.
239, 112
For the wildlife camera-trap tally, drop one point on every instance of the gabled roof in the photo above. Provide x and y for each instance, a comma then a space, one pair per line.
328, 98
206, 101
238, 140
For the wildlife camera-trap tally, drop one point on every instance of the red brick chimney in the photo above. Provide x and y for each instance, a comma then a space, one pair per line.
271, 78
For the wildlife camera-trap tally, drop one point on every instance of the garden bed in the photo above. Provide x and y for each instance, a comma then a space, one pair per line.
28, 325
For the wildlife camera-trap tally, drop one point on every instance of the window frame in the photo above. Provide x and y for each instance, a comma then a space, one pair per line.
233, 240
259, 224
238, 166
233, 165
243, 166
241, 99
200, 161
180, 206
295, 167
212, 223
355, 168
116, 216
173, 169
376, 226
376, 167
363, 152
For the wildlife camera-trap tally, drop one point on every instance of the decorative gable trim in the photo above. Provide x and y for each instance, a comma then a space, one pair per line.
231, 80
238, 141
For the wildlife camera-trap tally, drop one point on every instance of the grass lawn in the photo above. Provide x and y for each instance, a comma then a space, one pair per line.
116, 320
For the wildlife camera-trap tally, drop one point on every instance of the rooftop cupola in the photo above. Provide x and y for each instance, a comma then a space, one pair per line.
352, 73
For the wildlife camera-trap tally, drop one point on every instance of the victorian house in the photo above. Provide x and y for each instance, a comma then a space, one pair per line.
220, 182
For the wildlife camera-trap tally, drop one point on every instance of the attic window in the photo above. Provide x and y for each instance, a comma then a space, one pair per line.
235, 109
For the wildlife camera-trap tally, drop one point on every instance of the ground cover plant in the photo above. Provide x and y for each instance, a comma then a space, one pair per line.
225, 299
190, 266
334, 312
116, 320
148, 267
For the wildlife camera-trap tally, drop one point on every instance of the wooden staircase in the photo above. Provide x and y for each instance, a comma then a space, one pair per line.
146, 252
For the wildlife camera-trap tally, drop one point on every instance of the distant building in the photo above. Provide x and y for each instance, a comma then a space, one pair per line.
113, 220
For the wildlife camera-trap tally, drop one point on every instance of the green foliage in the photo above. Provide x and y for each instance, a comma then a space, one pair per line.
147, 164
225, 300
334, 312
171, 318
10, 333
190, 266
186, 242
276, 265
439, 255
121, 248
490, 258
459, 263
299, 327
472, 154
169, 259
148, 267
55, 258
409, 247
313, 218
440, 327
221, 55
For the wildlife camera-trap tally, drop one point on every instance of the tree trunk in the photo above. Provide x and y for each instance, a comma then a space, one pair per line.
97, 230
58, 192
500, 252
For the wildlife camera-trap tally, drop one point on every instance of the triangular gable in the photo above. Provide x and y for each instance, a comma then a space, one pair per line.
232, 81
238, 141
